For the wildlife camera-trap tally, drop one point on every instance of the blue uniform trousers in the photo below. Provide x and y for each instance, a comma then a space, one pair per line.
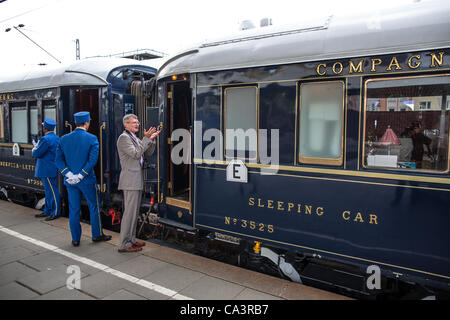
89, 192
52, 199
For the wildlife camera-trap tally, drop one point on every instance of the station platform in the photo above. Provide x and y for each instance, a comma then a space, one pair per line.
38, 262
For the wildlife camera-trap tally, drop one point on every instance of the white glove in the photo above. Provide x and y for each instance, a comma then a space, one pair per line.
35, 143
80, 176
69, 175
73, 180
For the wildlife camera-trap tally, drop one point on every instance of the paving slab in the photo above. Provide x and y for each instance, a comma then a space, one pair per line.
174, 277
101, 285
15, 291
141, 266
31, 270
64, 293
11, 254
47, 261
48, 280
250, 294
13, 271
109, 255
145, 292
123, 294
216, 289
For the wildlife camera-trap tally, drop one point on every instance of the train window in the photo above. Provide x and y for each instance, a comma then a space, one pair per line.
321, 122
241, 113
34, 121
49, 109
2, 118
19, 122
407, 123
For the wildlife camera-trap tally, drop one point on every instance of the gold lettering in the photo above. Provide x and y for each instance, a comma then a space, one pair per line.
251, 201
358, 68
299, 208
417, 63
375, 62
270, 228
290, 206
321, 65
341, 67
434, 59
259, 203
346, 215
270, 204
227, 220
319, 211
394, 61
373, 217
358, 217
308, 209
244, 223
280, 205
252, 225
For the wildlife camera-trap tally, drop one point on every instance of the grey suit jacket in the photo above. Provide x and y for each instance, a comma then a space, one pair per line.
130, 152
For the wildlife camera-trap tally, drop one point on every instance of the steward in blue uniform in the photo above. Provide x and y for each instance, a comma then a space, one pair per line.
45, 152
76, 157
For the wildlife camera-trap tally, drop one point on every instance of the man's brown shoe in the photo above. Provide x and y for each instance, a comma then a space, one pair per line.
131, 249
139, 244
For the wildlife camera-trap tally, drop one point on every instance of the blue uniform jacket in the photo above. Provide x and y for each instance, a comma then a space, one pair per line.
45, 153
78, 152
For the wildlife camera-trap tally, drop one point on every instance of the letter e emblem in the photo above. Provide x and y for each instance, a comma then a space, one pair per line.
237, 171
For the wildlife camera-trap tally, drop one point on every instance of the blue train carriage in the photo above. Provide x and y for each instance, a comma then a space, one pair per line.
318, 146
106, 87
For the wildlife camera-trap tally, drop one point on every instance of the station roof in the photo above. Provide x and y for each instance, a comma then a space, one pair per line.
417, 26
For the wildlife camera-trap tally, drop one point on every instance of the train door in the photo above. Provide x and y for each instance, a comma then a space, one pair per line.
178, 175
88, 100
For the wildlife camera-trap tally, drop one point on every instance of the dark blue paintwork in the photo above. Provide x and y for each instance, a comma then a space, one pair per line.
345, 213
408, 232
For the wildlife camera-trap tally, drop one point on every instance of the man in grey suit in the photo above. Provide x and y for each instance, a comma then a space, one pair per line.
132, 151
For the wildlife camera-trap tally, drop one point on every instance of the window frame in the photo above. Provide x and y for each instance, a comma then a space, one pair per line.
11, 106
363, 141
224, 108
321, 161
34, 104
3, 107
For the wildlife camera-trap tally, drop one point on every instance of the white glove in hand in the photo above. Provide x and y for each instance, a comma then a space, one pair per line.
69, 175
80, 176
35, 143
73, 180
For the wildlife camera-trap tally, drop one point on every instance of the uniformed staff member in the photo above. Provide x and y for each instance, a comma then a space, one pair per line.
76, 157
45, 152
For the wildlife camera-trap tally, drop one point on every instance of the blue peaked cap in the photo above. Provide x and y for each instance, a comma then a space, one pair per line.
82, 117
49, 124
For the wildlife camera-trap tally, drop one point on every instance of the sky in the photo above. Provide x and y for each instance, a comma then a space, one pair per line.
106, 27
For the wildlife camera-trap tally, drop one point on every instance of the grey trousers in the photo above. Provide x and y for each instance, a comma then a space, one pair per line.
131, 202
